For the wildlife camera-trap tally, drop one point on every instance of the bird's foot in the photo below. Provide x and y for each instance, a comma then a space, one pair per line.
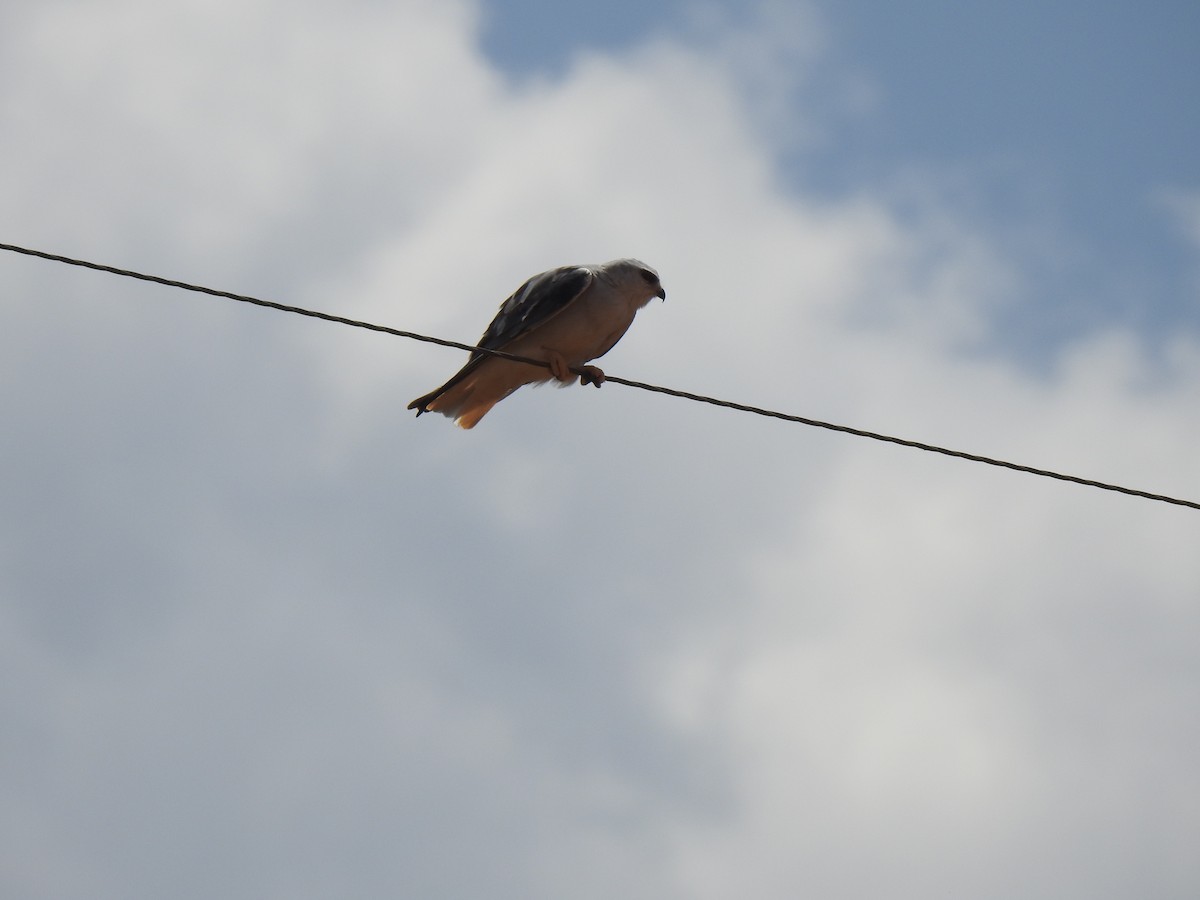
561, 370
591, 375
559, 367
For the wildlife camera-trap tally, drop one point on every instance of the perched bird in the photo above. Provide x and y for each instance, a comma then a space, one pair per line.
567, 317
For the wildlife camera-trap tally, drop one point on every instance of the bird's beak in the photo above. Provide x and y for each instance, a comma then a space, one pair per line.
662, 292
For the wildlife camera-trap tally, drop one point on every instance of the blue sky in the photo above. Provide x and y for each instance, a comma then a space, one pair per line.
1084, 109
263, 633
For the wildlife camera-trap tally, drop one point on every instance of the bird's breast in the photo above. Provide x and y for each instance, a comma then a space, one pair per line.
586, 329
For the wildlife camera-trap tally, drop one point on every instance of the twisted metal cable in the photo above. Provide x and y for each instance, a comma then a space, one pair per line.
657, 389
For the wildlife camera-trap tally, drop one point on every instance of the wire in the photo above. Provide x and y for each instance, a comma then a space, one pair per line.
657, 389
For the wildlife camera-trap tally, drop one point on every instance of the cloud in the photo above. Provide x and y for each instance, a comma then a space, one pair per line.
263, 633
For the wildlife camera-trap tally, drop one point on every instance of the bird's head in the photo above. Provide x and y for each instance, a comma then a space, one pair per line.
635, 276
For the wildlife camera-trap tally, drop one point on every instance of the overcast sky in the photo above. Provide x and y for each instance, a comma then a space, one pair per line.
264, 634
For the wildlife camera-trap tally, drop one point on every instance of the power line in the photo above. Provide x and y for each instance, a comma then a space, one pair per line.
672, 392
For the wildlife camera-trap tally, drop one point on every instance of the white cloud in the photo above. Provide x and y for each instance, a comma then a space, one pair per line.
264, 633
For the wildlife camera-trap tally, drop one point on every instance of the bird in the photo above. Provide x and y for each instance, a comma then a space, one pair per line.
565, 317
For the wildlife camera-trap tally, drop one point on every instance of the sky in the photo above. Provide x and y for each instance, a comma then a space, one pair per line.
264, 634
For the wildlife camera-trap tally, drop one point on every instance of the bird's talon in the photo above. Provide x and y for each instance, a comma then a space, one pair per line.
591, 375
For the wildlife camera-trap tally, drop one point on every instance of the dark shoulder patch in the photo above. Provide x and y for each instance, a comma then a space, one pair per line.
539, 298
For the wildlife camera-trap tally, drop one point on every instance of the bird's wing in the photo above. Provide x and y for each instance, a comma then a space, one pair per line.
534, 303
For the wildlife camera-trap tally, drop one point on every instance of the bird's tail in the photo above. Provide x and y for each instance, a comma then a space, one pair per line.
470, 417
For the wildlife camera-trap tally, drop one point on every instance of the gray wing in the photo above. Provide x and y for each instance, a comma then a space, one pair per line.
537, 300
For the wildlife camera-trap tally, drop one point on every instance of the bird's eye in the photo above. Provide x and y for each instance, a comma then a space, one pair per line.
650, 277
